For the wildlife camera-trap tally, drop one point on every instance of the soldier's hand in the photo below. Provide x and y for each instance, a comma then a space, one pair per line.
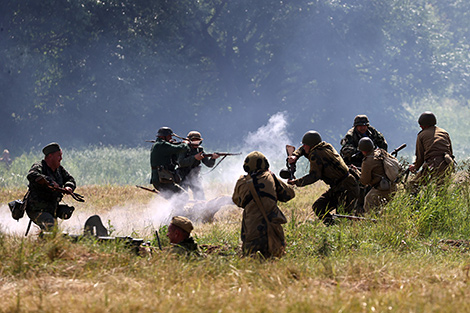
199, 156
69, 190
292, 181
292, 159
215, 156
412, 168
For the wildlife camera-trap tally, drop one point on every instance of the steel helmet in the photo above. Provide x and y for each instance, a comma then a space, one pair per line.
361, 120
366, 144
164, 131
311, 138
427, 119
194, 136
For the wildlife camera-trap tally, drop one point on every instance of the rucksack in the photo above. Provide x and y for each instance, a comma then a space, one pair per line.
392, 166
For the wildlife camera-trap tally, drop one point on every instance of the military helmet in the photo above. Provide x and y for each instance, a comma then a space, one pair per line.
164, 131
427, 119
366, 144
311, 138
255, 161
194, 136
361, 120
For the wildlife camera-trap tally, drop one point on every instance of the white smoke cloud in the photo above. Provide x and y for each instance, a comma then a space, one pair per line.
128, 219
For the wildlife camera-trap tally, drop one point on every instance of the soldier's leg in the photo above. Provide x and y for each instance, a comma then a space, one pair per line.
44, 220
322, 207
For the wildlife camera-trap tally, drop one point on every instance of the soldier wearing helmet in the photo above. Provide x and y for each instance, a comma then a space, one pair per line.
327, 165
257, 193
373, 175
5, 159
163, 160
189, 165
349, 144
433, 152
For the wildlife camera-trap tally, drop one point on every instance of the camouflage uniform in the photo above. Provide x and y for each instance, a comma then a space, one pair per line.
254, 232
43, 206
434, 153
327, 165
164, 155
189, 169
350, 142
186, 247
372, 171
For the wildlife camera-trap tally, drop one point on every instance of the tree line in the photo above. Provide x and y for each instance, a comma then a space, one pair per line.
112, 72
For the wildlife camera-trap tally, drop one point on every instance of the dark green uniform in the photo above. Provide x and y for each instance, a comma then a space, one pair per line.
163, 159
189, 169
349, 151
327, 165
43, 203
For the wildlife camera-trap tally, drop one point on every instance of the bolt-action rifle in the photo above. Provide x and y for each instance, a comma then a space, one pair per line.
395, 152
222, 154
148, 189
289, 171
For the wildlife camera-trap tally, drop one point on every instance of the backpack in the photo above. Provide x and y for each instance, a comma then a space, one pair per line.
392, 167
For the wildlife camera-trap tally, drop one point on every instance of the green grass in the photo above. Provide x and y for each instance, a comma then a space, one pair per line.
401, 263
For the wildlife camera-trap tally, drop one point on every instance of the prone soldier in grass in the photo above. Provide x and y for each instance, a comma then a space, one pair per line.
327, 165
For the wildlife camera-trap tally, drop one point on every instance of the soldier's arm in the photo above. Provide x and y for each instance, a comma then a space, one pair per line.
419, 153
366, 173
347, 147
284, 191
35, 175
69, 181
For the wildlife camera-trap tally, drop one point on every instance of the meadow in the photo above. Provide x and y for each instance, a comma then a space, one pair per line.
415, 258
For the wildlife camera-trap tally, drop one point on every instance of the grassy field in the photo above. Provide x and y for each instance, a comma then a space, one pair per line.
414, 259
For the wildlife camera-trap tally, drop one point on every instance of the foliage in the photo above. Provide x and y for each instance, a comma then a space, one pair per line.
106, 72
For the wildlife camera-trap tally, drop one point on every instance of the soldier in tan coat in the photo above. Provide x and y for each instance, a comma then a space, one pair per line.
373, 174
327, 165
433, 153
257, 193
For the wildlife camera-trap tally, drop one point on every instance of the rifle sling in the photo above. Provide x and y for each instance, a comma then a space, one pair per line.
258, 201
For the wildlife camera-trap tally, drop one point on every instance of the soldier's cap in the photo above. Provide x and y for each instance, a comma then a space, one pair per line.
51, 148
182, 222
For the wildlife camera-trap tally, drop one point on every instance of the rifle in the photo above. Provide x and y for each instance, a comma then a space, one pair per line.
148, 189
395, 152
75, 196
353, 218
289, 172
222, 154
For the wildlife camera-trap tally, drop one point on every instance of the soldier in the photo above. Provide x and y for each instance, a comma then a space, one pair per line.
257, 193
326, 164
433, 152
44, 178
373, 174
349, 144
179, 233
163, 160
5, 159
189, 165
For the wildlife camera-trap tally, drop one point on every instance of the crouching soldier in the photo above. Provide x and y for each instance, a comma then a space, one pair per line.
327, 165
373, 174
257, 193
45, 179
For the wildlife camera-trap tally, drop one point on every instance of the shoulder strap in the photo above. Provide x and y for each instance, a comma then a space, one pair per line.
258, 201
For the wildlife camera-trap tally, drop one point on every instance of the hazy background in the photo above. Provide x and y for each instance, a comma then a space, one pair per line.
110, 73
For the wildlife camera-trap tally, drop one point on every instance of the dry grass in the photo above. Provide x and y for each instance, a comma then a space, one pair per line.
345, 268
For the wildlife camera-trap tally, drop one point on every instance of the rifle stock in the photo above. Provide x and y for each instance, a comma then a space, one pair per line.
353, 218
148, 189
207, 155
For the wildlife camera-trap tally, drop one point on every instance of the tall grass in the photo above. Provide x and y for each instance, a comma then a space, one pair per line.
401, 263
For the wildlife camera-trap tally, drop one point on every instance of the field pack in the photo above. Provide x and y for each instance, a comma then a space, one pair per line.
392, 167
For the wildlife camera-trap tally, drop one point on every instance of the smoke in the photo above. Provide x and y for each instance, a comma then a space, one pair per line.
143, 219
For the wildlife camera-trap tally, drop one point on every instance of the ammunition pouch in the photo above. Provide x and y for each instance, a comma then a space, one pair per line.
18, 207
166, 176
383, 185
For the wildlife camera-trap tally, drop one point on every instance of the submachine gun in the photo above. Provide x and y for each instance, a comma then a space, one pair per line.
289, 171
